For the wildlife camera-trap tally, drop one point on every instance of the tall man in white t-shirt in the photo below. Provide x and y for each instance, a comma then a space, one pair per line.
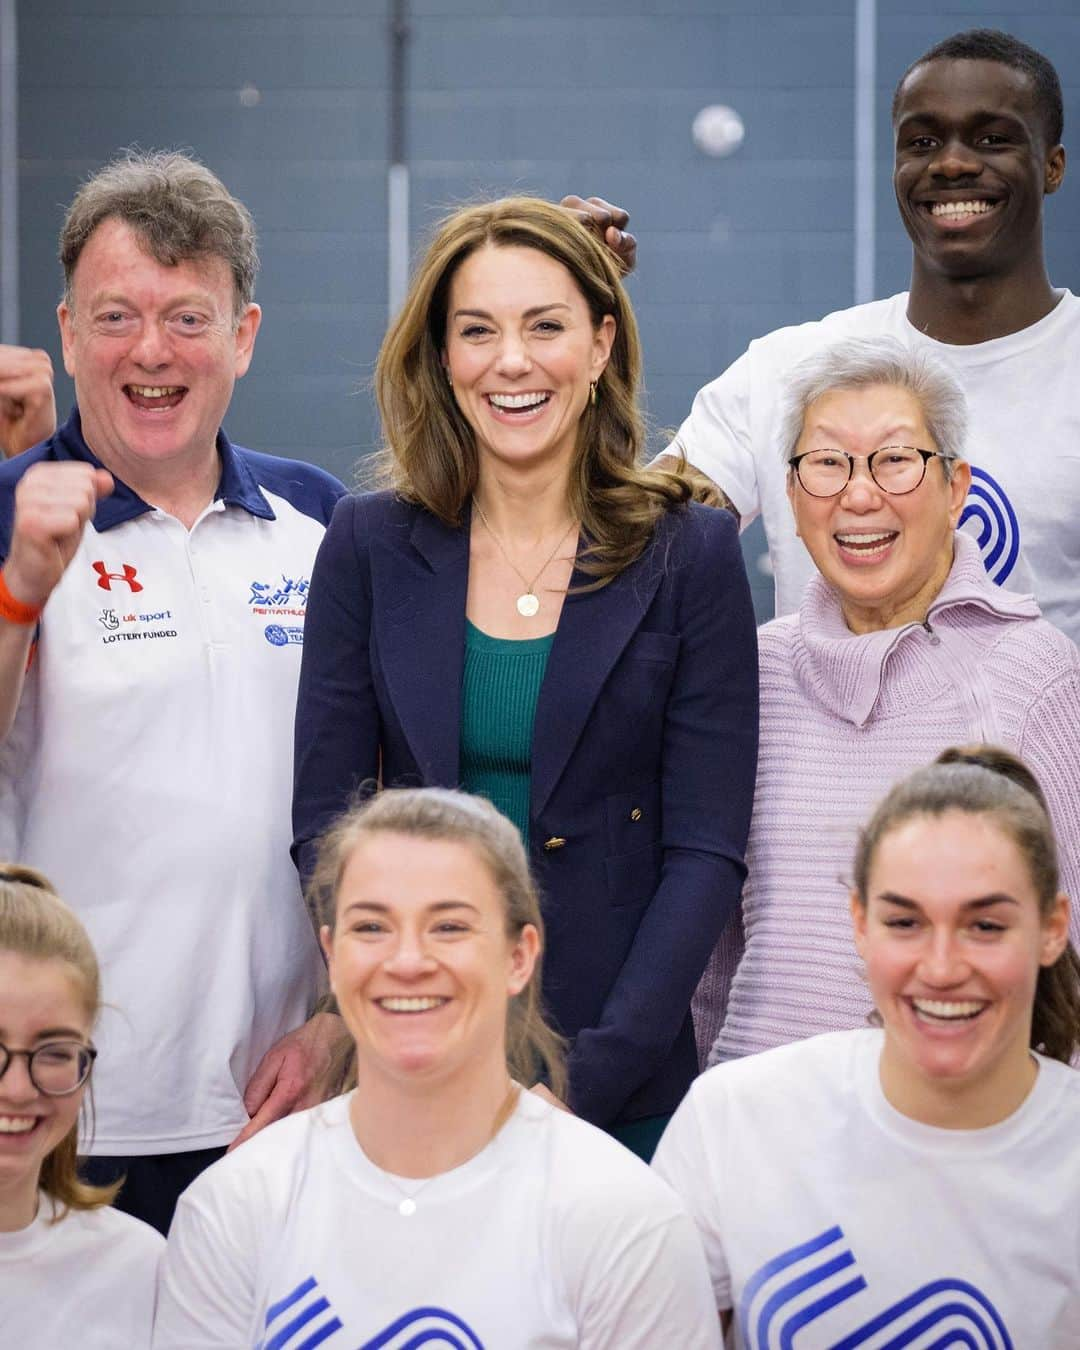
152, 595
977, 124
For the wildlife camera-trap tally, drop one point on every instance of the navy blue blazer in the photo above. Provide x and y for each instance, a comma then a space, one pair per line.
643, 760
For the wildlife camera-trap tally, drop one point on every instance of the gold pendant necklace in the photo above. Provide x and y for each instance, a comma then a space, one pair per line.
528, 602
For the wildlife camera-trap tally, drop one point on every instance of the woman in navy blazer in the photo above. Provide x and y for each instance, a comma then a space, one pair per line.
508, 393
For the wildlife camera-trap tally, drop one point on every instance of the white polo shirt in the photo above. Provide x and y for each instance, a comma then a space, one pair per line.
149, 776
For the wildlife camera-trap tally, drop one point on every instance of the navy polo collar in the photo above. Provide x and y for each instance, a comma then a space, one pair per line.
236, 486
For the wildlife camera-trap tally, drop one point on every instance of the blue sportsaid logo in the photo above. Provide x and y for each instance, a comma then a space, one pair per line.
280, 635
794, 1289
989, 515
304, 1319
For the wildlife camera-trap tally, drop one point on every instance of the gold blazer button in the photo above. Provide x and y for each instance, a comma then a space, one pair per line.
553, 843
635, 814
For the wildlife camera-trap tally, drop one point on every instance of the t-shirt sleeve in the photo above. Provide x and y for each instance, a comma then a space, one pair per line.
654, 1291
683, 1160
717, 438
206, 1293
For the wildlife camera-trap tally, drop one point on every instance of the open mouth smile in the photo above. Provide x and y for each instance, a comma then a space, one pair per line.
958, 211
411, 1005
19, 1125
866, 546
154, 397
514, 406
945, 1012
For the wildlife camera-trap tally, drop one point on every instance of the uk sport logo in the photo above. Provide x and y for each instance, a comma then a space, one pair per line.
106, 578
304, 1319
806, 1283
989, 516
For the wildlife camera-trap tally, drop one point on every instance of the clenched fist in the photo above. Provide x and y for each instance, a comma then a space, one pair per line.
53, 502
27, 406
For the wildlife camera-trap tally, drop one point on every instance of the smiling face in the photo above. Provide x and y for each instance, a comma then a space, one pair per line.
953, 941
972, 167
521, 351
420, 960
154, 351
40, 1001
886, 556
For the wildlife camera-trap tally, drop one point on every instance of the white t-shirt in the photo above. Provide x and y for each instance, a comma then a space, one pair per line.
552, 1236
88, 1281
828, 1215
1024, 402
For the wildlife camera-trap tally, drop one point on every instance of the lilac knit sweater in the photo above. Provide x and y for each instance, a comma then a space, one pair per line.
842, 718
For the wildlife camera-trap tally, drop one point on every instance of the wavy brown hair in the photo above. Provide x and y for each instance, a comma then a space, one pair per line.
429, 455
35, 923
984, 780
534, 1051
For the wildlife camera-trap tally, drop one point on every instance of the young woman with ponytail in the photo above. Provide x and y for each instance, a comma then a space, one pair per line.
920, 1178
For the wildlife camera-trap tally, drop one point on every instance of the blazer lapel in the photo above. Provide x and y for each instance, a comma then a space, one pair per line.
593, 631
419, 591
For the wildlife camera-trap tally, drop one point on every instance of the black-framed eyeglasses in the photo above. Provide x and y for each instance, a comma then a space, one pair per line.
896, 469
56, 1068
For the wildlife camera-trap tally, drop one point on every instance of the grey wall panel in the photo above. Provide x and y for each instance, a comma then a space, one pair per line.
287, 100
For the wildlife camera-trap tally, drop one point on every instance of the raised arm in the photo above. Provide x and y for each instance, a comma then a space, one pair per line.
27, 405
52, 503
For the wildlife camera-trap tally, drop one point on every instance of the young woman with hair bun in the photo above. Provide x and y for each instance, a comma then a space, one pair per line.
72, 1270
917, 1183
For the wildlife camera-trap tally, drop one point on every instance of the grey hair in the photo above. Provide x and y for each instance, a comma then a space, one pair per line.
857, 363
179, 208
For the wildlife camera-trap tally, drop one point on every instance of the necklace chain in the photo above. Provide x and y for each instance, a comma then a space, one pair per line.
407, 1203
528, 603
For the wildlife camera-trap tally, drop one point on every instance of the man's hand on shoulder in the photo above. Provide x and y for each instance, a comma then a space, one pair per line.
291, 1073
53, 502
702, 487
27, 405
609, 222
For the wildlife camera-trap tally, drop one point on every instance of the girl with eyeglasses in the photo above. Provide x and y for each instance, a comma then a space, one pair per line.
72, 1270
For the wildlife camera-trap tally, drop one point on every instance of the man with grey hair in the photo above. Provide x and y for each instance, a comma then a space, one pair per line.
152, 598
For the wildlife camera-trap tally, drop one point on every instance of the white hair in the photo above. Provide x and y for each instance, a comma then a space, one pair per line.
857, 363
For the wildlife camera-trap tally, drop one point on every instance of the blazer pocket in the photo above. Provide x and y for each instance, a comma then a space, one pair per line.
632, 878
648, 646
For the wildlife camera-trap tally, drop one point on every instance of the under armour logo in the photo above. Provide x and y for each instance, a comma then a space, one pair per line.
105, 579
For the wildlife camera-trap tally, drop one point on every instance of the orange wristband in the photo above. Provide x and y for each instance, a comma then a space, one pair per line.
14, 610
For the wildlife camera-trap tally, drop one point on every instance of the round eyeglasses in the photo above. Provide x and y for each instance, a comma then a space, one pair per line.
56, 1068
896, 469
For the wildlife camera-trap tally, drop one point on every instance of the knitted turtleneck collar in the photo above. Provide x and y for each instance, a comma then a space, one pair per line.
845, 669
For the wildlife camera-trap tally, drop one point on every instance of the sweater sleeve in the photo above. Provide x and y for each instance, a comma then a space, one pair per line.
1050, 745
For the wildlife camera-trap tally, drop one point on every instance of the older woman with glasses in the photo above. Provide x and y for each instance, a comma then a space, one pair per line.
902, 646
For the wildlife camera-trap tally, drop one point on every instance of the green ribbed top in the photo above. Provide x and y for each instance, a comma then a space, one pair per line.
498, 707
